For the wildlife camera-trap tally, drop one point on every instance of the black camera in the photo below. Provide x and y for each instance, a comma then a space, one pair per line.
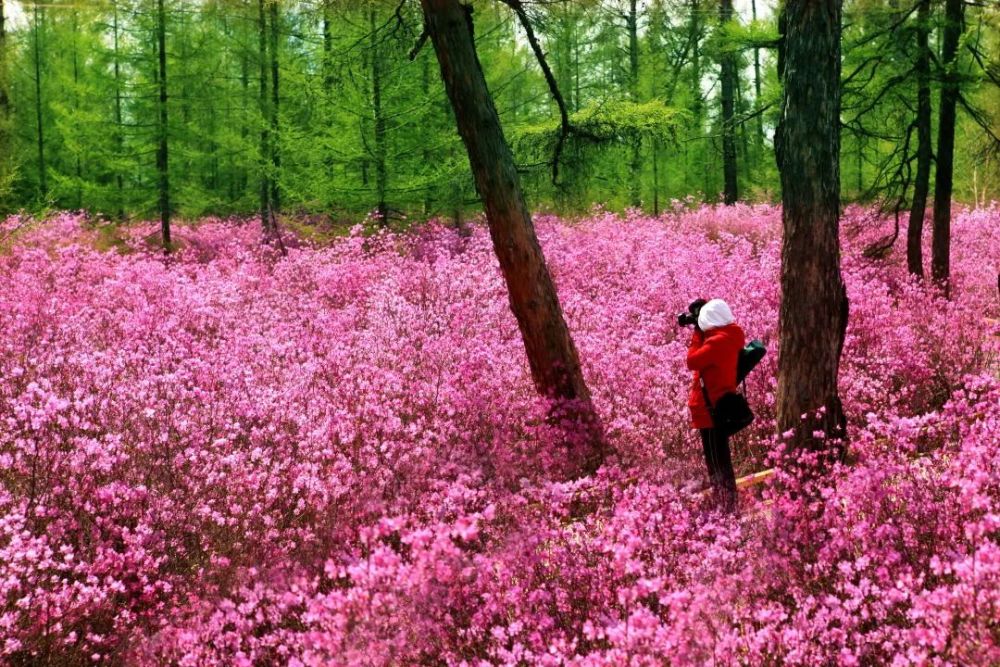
690, 318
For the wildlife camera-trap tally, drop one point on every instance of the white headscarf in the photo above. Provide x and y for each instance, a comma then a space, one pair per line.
714, 314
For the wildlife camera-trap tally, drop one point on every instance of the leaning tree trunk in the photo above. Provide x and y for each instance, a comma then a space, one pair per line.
728, 82
921, 184
378, 120
161, 149
941, 240
552, 356
813, 314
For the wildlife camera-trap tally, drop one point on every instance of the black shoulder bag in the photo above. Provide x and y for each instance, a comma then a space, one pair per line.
732, 413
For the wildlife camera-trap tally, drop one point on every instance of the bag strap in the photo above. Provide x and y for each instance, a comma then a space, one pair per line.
704, 392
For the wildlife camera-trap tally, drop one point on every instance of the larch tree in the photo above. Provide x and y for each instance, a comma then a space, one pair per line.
921, 183
552, 355
814, 307
162, 163
945, 158
728, 83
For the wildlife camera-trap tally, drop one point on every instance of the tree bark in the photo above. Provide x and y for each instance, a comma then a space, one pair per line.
265, 119
119, 128
759, 138
728, 84
552, 356
43, 187
275, 135
921, 183
635, 166
379, 121
813, 314
941, 240
161, 152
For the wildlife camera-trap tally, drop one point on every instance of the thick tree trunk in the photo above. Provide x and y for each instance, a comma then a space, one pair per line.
814, 306
921, 183
43, 186
161, 152
728, 84
552, 356
941, 240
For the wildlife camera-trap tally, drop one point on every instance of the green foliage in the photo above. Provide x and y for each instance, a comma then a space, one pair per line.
360, 121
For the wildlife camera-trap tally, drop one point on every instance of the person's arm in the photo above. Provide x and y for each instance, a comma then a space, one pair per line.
700, 352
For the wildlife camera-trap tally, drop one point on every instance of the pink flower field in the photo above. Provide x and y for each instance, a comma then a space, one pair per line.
337, 457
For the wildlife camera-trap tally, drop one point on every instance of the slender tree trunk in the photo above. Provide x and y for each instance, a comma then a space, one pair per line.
161, 153
814, 305
76, 105
941, 241
552, 356
635, 166
275, 131
379, 121
328, 78
4, 98
119, 129
265, 150
728, 83
43, 186
921, 184
759, 138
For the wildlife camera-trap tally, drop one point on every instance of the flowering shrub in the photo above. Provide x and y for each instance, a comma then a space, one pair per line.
228, 457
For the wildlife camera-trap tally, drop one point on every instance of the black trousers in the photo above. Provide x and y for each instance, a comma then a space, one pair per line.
720, 467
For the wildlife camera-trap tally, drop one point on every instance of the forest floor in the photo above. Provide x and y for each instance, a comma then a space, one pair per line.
233, 457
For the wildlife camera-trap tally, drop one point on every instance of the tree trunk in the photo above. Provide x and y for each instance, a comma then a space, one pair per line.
814, 306
43, 186
728, 81
759, 138
119, 129
275, 135
635, 166
921, 184
379, 121
941, 241
552, 356
161, 152
265, 150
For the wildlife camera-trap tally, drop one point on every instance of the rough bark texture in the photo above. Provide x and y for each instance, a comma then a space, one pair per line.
813, 315
941, 241
727, 62
921, 183
552, 356
161, 151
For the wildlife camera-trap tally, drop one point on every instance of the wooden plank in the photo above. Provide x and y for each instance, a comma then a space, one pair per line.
754, 479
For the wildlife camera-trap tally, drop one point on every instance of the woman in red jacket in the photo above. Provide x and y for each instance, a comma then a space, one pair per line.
713, 356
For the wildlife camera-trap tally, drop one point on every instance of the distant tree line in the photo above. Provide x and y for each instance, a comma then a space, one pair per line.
192, 107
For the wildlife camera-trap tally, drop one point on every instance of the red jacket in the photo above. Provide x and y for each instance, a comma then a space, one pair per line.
713, 355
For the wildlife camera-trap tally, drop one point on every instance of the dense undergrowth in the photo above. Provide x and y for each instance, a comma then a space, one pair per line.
231, 458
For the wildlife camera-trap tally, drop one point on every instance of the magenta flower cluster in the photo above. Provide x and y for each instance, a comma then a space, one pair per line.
229, 457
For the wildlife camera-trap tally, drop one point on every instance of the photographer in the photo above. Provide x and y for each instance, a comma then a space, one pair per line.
713, 356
